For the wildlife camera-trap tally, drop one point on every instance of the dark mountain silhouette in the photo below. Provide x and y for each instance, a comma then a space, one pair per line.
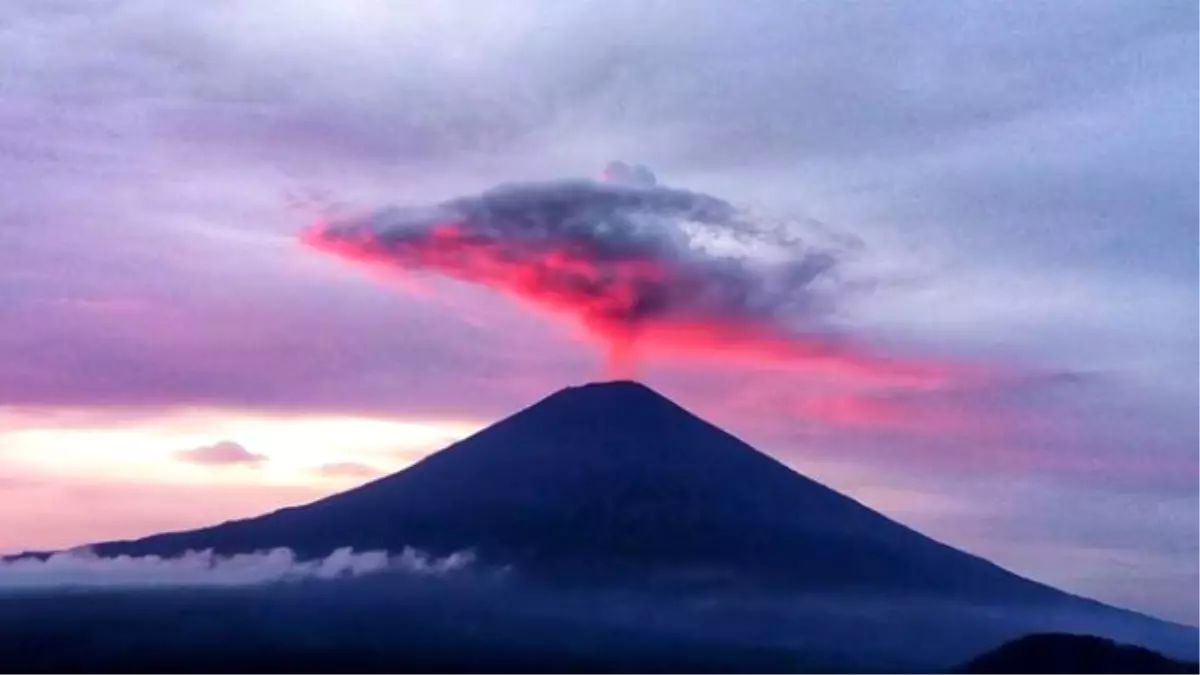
1066, 653
606, 478
612, 486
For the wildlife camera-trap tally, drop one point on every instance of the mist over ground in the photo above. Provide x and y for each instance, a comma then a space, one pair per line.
473, 621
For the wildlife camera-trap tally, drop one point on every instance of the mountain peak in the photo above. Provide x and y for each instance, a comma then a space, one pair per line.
611, 388
622, 385
627, 391
631, 406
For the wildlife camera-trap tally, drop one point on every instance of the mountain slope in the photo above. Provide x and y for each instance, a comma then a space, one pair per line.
612, 486
605, 477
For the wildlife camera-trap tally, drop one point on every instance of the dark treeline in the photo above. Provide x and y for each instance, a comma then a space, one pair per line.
343, 627
1063, 653
396, 623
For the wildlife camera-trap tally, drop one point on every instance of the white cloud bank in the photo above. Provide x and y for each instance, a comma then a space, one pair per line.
83, 568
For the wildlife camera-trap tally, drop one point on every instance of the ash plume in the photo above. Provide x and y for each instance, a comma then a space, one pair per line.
641, 267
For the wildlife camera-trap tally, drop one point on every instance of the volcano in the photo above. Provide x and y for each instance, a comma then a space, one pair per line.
609, 479
613, 485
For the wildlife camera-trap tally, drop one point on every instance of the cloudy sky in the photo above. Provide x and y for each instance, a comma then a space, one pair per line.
1013, 186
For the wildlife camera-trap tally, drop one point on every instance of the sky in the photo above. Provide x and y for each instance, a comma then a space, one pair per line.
1001, 200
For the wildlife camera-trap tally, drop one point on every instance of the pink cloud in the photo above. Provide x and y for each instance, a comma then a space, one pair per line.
348, 470
582, 251
224, 453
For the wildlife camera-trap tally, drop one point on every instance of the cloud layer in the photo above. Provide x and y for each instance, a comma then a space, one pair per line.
82, 568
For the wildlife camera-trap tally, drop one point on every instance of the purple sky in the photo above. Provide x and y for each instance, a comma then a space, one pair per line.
1022, 178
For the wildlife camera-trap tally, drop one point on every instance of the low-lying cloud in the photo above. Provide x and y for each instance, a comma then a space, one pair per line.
640, 266
348, 470
221, 454
83, 568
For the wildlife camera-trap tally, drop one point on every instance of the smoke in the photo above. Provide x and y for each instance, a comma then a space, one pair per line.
641, 267
83, 568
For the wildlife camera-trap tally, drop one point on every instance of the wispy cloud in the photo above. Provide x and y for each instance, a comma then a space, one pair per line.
348, 470
223, 453
82, 568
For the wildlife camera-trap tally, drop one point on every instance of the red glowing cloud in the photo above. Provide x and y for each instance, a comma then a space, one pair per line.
858, 411
619, 260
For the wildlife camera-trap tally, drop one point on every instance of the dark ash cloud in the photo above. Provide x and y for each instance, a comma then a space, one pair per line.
640, 266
